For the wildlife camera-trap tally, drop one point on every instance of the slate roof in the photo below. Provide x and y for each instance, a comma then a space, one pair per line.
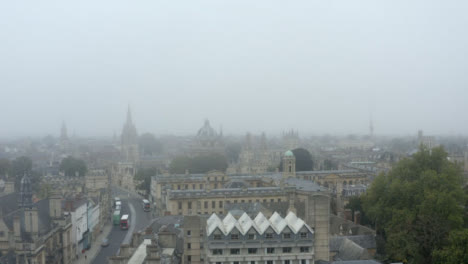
44, 221
9, 203
348, 249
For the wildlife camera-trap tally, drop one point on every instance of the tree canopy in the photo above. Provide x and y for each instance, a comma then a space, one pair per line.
73, 167
416, 205
149, 145
232, 151
304, 160
144, 177
5, 166
199, 164
21, 166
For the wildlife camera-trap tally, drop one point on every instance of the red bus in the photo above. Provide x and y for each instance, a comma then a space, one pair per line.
146, 205
124, 222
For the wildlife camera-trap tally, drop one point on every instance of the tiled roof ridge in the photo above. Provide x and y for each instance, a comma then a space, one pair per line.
260, 223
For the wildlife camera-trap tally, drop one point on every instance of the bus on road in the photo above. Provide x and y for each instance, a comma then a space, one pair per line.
116, 199
116, 217
146, 205
124, 222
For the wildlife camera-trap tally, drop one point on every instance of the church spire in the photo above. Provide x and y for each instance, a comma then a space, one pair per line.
26, 192
129, 115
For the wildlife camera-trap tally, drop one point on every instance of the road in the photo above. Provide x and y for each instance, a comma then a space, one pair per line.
139, 220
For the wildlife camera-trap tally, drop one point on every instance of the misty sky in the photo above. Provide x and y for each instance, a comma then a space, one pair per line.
316, 66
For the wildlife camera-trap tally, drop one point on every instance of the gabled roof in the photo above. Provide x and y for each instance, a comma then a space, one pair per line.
260, 223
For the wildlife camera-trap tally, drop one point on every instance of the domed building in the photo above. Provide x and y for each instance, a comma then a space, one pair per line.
207, 140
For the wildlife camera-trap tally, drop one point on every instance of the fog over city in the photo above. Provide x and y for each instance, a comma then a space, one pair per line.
314, 66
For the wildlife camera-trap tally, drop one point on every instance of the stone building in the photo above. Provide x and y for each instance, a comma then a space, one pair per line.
207, 140
198, 195
253, 158
34, 232
271, 240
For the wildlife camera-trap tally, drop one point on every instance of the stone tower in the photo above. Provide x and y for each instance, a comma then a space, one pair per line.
25, 192
289, 165
129, 143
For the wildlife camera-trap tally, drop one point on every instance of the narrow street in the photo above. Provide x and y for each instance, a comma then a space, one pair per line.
139, 219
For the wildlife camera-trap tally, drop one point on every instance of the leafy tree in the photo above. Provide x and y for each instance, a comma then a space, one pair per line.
5, 167
144, 177
73, 167
199, 164
456, 250
416, 205
232, 152
21, 166
355, 204
149, 145
329, 164
304, 160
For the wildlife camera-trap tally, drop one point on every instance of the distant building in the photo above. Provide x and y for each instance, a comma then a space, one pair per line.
129, 140
207, 140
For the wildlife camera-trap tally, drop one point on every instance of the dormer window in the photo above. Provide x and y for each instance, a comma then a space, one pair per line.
251, 236
287, 235
217, 237
303, 234
269, 236
235, 236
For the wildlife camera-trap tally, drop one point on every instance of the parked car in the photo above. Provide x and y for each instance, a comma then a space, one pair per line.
105, 242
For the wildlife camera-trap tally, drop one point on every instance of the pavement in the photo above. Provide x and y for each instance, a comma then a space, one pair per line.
90, 254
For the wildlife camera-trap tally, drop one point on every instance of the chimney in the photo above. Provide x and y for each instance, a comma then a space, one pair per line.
55, 205
348, 215
31, 221
357, 218
16, 227
125, 250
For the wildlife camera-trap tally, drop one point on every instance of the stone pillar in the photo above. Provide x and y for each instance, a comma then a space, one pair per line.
348, 215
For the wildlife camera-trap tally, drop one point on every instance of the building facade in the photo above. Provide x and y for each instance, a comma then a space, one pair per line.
274, 240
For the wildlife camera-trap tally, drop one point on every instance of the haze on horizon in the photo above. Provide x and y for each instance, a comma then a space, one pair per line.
313, 66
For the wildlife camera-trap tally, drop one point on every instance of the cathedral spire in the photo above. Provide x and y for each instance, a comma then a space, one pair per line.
129, 115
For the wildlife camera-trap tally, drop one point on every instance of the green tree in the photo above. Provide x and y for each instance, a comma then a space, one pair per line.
416, 205
143, 176
232, 152
329, 164
19, 167
5, 167
198, 164
149, 145
456, 250
73, 167
355, 204
304, 160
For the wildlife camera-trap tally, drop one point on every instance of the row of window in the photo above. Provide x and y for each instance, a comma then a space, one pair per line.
236, 251
253, 236
220, 203
194, 186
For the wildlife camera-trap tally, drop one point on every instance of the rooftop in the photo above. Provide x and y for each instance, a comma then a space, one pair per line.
260, 223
